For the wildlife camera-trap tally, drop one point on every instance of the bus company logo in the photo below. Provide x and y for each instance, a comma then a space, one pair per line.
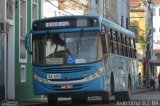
57, 24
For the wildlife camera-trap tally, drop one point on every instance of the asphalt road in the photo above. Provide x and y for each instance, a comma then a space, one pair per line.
151, 98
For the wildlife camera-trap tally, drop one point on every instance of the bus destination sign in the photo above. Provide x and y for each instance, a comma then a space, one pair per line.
57, 24
62, 23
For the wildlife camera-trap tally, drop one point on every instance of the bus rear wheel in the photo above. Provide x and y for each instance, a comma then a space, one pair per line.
52, 100
125, 95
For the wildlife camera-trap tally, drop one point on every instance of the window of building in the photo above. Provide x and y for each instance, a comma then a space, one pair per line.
127, 23
96, 1
154, 29
34, 9
10, 9
154, 12
159, 11
122, 21
22, 33
23, 73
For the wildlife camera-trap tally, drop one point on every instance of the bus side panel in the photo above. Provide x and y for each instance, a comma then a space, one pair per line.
121, 68
135, 74
85, 85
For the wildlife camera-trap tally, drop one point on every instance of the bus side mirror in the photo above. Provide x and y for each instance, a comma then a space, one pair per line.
28, 43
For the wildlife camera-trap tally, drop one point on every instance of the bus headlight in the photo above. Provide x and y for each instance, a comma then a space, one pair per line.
100, 71
40, 79
96, 74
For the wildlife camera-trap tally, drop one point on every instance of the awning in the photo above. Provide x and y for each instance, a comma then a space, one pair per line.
154, 62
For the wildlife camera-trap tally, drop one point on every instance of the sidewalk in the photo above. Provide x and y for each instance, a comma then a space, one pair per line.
141, 90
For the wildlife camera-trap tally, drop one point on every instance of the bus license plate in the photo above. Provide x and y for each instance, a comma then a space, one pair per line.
53, 76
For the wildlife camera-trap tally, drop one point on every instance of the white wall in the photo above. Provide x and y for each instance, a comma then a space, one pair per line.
9, 44
2, 10
156, 25
123, 9
50, 10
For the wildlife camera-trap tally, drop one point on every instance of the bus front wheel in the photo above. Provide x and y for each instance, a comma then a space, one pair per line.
52, 100
79, 100
105, 98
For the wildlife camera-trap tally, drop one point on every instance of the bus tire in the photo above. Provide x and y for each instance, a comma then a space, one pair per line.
79, 100
112, 84
122, 96
105, 98
125, 95
52, 100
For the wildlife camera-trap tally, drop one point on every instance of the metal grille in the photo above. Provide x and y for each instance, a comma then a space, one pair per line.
67, 69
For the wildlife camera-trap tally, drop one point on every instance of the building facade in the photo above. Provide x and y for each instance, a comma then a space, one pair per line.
138, 22
156, 34
115, 10
54, 8
15, 22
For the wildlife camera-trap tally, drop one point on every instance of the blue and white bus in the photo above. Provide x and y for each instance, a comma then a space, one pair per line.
82, 56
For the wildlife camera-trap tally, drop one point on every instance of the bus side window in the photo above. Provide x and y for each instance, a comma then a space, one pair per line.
135, 52
104, 39
111, 41
117, 42
126, 46
121, 44
130, 48
114, 42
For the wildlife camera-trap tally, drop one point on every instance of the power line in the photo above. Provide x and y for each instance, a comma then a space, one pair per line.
57, 7
95, 10
72, 9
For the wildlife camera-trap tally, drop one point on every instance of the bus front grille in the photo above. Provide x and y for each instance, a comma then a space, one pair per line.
67, 69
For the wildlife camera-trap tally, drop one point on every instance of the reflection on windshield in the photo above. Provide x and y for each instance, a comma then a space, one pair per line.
67, 48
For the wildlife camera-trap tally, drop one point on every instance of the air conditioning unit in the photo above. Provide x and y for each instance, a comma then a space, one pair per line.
4, 27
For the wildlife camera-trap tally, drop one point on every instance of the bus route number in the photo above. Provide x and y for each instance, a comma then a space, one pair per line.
53, 76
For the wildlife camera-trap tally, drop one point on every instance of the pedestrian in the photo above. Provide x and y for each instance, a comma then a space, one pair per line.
144, 81
159, 80
152, 82
140, 80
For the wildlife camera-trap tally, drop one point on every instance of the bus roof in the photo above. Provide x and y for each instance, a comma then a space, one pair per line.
101, 20
117, 27
73, 16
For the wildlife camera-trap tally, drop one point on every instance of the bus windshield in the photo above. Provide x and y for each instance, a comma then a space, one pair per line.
67, 48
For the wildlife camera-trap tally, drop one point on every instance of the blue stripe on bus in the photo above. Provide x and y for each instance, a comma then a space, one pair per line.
66, 30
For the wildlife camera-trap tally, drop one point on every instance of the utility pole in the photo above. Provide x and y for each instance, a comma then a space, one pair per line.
149, 35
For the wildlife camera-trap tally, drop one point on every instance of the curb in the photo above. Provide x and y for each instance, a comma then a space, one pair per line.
141, 91
33, 101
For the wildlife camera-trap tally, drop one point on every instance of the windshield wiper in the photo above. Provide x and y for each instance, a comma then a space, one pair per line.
79, 42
